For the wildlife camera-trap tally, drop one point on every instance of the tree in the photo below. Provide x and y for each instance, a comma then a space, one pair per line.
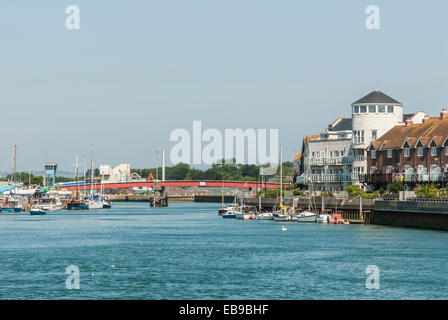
354, 191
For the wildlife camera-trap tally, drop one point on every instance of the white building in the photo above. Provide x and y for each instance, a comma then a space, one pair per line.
121, 173
373, 115
326, 160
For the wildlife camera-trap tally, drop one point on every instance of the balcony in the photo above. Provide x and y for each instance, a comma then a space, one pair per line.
330, 161
408, 177
323, 178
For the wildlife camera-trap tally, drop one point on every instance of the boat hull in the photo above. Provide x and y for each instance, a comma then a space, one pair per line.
282, 218
37, 213
11, 210
77, 206
228, 216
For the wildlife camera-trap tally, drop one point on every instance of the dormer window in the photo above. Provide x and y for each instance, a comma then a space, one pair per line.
407, 152
420, 151
434, 151
373, 154
389, 154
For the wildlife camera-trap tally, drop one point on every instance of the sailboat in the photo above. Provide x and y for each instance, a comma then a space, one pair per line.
76, 203
284, 213
94, 201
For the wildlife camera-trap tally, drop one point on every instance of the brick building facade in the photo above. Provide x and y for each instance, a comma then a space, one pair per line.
412, 153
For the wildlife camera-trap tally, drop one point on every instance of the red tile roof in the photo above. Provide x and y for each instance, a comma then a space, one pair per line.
433, 128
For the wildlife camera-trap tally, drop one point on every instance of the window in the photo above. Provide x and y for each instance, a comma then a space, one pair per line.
356, 109
390, 109
407, 152
363, 109
434, 151
336, 154
358, 137
420, 152
434, 168
312, 155
372, 109
389, 154
374, 135
406, 168
446, 150
389, 169
372, 169
373, 154
382, 109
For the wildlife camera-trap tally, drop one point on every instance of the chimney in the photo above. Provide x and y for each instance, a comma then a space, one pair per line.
443, 114
408, 122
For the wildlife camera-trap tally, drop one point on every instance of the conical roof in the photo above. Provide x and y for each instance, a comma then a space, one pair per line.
376, 96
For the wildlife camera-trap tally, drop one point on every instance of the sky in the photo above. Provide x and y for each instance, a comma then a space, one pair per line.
137, 70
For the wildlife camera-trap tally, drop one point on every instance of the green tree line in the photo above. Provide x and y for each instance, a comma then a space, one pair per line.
218, 171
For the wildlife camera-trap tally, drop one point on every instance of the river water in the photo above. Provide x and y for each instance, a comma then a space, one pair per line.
186, 251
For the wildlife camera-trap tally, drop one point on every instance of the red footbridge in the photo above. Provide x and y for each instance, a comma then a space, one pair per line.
175, 183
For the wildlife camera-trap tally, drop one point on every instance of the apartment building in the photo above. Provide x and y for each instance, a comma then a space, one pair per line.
412, 153
336, 157
325, 158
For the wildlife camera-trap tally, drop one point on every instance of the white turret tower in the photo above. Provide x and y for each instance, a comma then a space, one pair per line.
373, 115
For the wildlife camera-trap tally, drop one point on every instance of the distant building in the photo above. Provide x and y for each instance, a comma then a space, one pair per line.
121, 173
412, 153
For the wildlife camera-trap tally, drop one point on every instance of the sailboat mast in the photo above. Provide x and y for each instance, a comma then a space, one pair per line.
13, 164
281, 174
77, 178
91, 171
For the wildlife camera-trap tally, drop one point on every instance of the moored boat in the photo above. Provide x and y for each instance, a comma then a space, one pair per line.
306, 216
265, 216
77, 205
323, 218
245, 212
37, 210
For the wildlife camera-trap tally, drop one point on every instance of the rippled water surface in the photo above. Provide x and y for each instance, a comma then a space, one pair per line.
186, 251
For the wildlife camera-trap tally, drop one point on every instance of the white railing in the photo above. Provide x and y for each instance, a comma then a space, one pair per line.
330, 161
323, 178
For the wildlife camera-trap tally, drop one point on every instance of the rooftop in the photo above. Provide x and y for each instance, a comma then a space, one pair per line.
376, 96
433, 128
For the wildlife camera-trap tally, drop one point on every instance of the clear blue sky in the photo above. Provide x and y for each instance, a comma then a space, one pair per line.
138, 69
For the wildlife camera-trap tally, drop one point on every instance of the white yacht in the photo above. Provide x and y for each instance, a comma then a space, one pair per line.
245, 212
306, 216
323, 218
265, 216
50, 204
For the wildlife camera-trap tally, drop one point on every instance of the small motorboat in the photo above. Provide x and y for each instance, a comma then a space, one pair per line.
245, 212
323, 218
336, 218
229, 215
37, 211
306, 216
265, 216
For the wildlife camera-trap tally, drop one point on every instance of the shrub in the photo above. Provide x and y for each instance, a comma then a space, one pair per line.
354, 191
395, 187
426, 191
